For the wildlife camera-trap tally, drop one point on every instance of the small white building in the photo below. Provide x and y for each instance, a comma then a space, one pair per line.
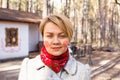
19, 33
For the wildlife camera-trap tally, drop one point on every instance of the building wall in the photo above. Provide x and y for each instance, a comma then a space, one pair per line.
23, 46
33, 37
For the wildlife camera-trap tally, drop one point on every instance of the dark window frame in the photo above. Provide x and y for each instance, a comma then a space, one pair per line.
11, 35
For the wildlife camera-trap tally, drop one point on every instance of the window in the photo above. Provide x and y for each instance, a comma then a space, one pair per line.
11, 36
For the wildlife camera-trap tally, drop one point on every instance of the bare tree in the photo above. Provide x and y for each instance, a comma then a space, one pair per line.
1, 3
7, 4
85, 21
30, 5
37, 7
67, 8
50, 6
101, 21
20, 3
27, 5
44, 14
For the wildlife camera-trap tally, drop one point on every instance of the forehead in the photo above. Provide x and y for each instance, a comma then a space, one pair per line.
51, 27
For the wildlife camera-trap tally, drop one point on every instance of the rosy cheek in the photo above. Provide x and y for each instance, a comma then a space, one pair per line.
65, 43
46, 43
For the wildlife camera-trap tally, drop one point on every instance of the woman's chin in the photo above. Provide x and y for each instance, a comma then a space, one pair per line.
56, 53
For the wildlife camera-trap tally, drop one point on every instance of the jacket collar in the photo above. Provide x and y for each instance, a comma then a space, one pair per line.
70, 67
38, 63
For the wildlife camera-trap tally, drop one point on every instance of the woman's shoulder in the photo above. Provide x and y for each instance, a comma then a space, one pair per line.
78, 65
34, 62
81, 66
78, 69
26, 60
84, 69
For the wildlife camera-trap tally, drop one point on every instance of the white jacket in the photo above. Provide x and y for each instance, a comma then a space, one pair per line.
35, 69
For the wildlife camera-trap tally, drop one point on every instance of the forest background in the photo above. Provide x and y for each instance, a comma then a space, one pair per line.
95, 22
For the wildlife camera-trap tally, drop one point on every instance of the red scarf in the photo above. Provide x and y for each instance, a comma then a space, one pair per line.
56, 63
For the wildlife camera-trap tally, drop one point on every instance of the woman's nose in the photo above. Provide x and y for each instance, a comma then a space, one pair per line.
56, 40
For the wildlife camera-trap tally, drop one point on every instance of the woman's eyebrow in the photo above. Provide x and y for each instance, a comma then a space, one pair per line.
52, 33
49, 32
61, 33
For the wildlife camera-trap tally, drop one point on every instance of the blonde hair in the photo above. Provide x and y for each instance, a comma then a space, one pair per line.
61, 21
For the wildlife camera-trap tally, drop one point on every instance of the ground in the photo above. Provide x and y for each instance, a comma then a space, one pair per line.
104, 66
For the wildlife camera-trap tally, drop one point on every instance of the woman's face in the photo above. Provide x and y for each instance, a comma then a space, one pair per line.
55, 40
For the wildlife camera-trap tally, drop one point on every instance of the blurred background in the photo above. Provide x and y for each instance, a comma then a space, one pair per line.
96, 38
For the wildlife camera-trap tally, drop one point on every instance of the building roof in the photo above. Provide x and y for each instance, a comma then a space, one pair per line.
19, 16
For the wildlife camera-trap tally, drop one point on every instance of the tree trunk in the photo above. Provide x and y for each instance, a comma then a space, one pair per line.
67, 8
1, 3
37, 7
85, 21
27, 5
101, 19
31, 6
20, 5
104, 24
44, 14
8, 4
74, 22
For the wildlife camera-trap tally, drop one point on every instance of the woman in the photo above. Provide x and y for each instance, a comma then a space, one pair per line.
54, 62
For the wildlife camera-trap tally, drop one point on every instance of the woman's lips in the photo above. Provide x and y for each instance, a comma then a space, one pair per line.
56, 48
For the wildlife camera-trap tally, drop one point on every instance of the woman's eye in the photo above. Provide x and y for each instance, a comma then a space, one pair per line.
62, 36
49, 36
